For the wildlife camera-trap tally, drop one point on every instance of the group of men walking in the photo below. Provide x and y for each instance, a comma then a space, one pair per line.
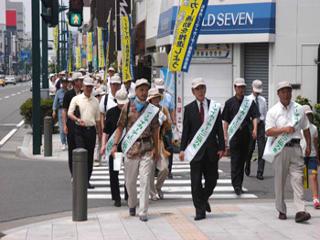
137, 120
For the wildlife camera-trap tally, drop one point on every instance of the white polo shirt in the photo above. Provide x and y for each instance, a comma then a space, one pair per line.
89, 109
280, 116
110, 104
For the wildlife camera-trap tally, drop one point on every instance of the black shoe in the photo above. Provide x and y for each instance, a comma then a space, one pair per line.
260, 176
238, 191
208, 208
90, 186
200, 216
170, 176
143, 218
117, 203
132, 212
302, 217
282, 216
247, 170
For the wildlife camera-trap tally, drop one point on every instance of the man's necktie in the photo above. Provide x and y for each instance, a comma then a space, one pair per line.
257, 103
201, 112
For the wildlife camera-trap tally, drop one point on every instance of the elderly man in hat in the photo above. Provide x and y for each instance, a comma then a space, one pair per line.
202, 143
237, 115
284, 123
88, 123
68, 124
140, 146
111, 121
57, 106
261, 138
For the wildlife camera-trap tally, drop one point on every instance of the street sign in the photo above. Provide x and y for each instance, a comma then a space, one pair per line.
75, 19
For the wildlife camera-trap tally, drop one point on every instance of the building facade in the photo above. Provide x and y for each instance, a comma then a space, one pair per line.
256, 39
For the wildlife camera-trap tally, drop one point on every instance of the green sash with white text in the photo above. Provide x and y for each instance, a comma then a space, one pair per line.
203, 132
138, 127
275, 146
110, 144
241, 115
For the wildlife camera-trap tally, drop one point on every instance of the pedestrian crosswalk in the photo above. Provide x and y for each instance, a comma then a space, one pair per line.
177, 188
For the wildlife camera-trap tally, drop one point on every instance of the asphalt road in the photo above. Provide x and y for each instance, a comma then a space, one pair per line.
11, 98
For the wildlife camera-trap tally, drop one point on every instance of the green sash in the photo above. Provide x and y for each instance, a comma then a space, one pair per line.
138, 127
110, 144
241, 115
203, 132
275, 146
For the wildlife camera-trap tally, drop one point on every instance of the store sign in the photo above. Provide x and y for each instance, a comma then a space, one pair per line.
245, 18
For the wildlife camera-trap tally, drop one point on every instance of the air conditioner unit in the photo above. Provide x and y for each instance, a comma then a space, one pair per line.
159, 59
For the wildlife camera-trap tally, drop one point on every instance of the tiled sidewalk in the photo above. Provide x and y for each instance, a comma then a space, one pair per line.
228, 221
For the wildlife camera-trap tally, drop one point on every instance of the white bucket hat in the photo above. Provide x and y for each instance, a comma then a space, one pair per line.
122, 96
88, 81
196, 82
142, 81
159, 83
153, 93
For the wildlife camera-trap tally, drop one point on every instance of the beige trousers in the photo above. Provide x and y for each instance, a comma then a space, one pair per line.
162, 176
289, 162
141, 166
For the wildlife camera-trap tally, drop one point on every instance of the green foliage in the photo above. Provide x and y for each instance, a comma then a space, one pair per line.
303, 101
45, 108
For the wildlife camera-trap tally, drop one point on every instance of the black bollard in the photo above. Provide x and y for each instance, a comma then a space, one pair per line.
79, 185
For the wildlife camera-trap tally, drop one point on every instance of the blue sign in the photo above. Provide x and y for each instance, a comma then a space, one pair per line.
25, 55
249, 18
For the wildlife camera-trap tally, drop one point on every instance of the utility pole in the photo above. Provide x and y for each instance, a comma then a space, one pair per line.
36, 76
45, 83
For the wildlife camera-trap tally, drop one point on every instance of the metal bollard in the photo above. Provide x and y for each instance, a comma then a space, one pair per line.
47, 134
79, 184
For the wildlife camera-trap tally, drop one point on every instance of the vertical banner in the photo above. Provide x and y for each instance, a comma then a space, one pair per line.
56, 39
187, 28
108, 39
70, 46
78, 57
168, 81
89, 47
101, 58
123, 7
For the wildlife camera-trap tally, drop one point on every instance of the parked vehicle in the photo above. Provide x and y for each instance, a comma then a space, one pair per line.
2, 80
10, 79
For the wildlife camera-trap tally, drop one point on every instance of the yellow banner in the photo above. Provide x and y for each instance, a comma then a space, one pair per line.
101, 58
56, 37
78, 57
184, 34
125, 48
108, 41
89, 47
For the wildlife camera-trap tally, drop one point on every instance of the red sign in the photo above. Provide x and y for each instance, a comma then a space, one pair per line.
11, 18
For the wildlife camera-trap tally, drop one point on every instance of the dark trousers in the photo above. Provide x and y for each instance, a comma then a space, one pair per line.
71, 142
208, 168
114, 183
170, 158
86, 138
239, 147
261, 140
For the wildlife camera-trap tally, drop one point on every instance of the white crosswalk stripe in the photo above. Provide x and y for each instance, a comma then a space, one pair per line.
177, 188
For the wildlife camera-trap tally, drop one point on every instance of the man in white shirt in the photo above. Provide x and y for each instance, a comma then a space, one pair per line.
261, 139
287, 117
108, 101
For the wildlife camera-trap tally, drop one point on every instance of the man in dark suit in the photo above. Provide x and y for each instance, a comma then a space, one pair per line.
204, 161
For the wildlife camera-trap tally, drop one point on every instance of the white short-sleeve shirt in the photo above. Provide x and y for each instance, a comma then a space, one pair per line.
280, 116
110, 104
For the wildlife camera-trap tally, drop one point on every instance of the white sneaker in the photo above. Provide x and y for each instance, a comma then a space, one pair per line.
64, 147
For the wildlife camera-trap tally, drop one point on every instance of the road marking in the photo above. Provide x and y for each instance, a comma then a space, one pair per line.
6, 97
11, 133
18, 93
13, 94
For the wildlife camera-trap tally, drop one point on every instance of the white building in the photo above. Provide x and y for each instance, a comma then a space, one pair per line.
256, 39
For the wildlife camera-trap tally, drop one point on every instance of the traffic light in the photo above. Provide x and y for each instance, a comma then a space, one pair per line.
75, 16
51, 15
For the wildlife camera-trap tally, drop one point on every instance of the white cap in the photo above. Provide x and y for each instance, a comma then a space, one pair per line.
122, 96
307, 109
153, 93
51, 75
142, 81
115, 80
111, 69
159, 83
77, 75
88, 81
196, 82
62, 72
239, 82
257, 86
284, 84
82, 70
99, 92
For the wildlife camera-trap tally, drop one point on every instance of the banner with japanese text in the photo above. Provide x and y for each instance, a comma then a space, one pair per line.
56, 38
101, 58
187, 28
70, 46
89, 47
126, 50
108, 39
78, 57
